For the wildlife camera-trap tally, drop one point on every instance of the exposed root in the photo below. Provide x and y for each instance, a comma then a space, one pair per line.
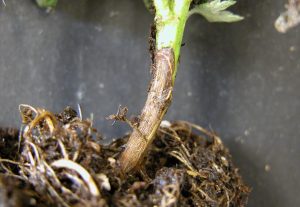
81, 171
182, 159
49, 138
62, 162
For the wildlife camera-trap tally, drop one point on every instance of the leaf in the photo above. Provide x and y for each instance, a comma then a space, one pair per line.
215, 11
46, 3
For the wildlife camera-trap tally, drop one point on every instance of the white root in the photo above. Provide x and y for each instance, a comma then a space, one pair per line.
63, 149
63, 163
26, 106
76, 180
79, 112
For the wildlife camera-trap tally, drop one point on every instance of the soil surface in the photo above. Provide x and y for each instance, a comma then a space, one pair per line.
58, 160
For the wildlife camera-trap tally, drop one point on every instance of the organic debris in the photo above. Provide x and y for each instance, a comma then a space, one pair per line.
60, 162
290, 18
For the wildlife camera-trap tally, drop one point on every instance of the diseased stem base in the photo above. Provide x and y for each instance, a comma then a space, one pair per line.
170, 19
158, 101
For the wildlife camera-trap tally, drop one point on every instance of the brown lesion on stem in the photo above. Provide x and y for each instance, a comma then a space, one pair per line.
158, 101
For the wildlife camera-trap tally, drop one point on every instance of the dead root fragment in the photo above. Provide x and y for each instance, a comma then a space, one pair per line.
66, 166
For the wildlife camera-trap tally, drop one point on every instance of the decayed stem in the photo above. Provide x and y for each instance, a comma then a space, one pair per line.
159, 98
170, 18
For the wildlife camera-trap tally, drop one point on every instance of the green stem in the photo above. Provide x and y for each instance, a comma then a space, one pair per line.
170, 19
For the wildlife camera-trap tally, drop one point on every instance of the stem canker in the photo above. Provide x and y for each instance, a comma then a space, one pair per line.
170, 19
158, 101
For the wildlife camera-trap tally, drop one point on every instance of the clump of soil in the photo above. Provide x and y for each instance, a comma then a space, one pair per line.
58, 160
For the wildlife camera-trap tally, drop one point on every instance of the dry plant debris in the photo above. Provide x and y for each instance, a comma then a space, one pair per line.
58, 160
290, 18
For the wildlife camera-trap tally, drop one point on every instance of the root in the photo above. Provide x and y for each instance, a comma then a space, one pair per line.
45, 141
186, 165
81, 171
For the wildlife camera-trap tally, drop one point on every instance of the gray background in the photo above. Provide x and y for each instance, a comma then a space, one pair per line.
241, 79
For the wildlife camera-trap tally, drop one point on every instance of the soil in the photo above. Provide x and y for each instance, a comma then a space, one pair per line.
58, 160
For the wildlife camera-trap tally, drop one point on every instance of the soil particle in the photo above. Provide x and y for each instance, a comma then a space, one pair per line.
68, 166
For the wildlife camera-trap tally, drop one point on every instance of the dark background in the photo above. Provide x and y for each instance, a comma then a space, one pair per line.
240, 79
